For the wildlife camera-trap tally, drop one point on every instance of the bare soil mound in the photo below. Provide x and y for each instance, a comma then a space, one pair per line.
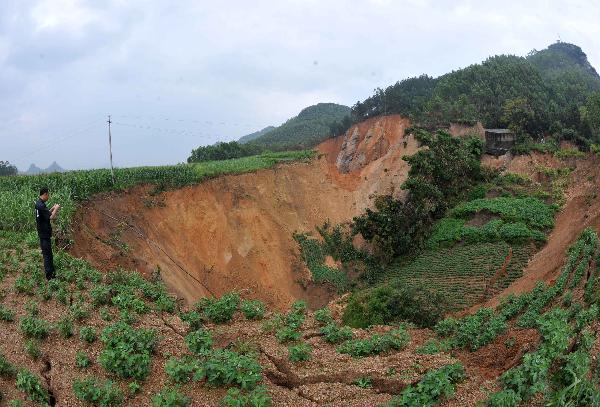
236, 232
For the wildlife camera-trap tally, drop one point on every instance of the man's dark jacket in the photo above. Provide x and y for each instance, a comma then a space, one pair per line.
42, 220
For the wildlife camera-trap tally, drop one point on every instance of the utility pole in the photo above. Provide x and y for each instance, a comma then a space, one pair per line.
112, 171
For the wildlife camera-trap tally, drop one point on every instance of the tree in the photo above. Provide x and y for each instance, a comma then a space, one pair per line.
590, 116
440, 175
7, 168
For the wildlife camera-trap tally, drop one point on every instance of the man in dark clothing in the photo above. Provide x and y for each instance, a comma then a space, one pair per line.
43, 216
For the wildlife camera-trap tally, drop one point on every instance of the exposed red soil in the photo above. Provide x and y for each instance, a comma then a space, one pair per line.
236, 232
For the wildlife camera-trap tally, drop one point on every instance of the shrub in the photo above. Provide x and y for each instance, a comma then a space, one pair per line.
170, 397
182, 370
65, 327
82, 360
323, 316
221, 311
100, 295
127, 351
6, 314
334, 334
32, 387
199, 341
254, 398
432, 388
376, 344
32, 348
387, 304
299, 353
87, 334
504, 398
7, 370
34, 328
253, 309
193, 318
94, 392
79, 311
224, 367
287, 334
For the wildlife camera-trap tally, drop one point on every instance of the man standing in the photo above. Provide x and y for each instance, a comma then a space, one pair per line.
43, 216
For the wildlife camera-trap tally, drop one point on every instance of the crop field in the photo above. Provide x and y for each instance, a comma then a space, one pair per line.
18, 193
462, 273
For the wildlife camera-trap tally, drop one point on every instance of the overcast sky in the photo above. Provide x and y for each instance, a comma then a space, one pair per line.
178, 74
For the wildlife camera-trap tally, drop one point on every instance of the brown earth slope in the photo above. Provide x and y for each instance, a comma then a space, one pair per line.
236, 232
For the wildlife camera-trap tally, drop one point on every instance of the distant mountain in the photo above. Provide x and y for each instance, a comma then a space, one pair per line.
255, 135
35, 170
309, 128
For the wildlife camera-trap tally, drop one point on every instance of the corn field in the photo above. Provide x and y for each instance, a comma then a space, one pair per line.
18, 193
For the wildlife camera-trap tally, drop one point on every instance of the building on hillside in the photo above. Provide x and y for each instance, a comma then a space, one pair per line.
499, 141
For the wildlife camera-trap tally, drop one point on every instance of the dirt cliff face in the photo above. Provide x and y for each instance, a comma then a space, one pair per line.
236, 232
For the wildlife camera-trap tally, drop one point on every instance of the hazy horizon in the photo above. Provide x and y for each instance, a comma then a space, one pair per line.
179, 75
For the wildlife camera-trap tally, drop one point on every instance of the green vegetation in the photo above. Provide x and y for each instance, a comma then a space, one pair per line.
127, 351
82, 360
335, 334
87, 334
300, 352
30, 384
253, 309
18, 193
33, 327
98, 393
440, 176
433, 387
257, 397
199, 341
170, 397
386, 304
554, 89
7, 169
376, 344
219, 310
312, 125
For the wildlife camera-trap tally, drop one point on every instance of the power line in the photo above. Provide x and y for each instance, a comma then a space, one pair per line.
59, 140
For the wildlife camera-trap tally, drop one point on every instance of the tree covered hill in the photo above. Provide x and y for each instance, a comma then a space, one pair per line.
255, 135
309, 128
553, 91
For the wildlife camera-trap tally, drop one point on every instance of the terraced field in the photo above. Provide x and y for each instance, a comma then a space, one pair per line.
465, 274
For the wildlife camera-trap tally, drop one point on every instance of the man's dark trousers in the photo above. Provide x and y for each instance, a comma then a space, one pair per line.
46, 245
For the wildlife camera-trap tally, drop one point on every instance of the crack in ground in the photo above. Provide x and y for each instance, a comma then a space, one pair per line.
48, 378
290, 380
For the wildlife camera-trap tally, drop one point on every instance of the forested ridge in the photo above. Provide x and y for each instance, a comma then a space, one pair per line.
555, 91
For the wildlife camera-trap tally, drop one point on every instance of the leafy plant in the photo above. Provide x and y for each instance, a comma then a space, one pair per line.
170, 397
87, 334
253, 309
376, 344
323, 316
34, 328
221, 311
82, 360
65, 327
6, 314
299, 353
199, 341
334, 334
97, 393
7, 370
32, 387
258, 397
127, 351
32, 348
432, 388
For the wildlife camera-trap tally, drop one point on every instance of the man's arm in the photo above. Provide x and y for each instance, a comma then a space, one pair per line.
54, 211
